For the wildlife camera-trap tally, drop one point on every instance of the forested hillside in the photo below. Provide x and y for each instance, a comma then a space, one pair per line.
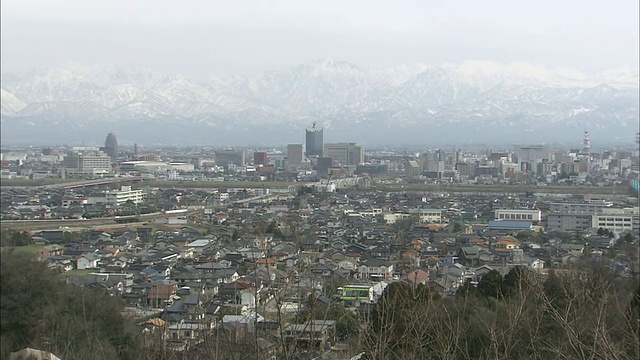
586, 313
39, 310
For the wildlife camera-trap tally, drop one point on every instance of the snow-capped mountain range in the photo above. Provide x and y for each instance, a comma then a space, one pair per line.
469, 102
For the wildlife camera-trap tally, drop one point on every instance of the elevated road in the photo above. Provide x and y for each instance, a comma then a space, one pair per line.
62, 184
361, 182
505, 189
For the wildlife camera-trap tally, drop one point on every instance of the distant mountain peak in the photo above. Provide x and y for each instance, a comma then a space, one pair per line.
333, 92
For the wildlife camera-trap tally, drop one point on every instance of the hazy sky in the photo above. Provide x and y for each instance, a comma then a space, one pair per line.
226, 37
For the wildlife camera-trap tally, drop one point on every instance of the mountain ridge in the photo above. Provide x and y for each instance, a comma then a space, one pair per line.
367, 105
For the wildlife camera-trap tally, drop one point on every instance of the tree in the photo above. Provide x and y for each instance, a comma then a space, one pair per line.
457, 227
466, 289
491, 284
37, 309
513, 281
628, 237
588, 312
399, 323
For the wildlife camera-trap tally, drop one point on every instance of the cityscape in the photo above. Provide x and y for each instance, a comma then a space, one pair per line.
319, 180
204, 240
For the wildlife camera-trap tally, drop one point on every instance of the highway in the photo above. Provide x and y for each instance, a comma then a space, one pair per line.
362, 182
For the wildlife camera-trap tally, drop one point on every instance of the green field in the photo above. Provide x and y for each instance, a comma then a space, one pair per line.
30, 249
76, 272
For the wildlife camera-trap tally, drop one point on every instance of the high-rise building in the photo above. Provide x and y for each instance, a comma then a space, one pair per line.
314, 141
323, 166
82, 165
586, 145
226, 157
111, 146
260, 158
532, 154
295, 154
345, 154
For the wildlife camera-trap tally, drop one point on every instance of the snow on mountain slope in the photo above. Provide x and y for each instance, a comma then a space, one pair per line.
338, 94
9, 103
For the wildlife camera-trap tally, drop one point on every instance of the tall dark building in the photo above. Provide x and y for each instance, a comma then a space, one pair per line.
314, 141
324, 163
260, 158
295, 154
111, 146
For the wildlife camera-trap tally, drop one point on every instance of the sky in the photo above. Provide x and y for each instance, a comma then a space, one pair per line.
201, 38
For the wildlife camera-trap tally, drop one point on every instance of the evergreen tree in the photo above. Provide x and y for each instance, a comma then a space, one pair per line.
513, 281
490, 285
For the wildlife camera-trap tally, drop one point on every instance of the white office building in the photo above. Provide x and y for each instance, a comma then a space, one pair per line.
518, 214
120, 197
618, 220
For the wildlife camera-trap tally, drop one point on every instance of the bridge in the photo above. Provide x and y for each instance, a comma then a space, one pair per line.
97, 182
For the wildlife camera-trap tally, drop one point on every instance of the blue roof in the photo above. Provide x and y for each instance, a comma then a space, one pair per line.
507, 224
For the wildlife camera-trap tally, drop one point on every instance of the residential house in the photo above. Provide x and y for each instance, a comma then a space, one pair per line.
48, 251
88, 261
416, 277
314, 334
376, 269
